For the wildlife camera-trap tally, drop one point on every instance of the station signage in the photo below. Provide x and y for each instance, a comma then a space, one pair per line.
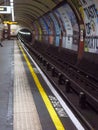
5, 9
9, 22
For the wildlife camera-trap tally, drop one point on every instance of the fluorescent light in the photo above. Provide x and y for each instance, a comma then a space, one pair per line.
12, 8
11, 1
13, 19
11, 4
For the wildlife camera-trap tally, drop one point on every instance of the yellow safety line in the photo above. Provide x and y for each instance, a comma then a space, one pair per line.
58, 124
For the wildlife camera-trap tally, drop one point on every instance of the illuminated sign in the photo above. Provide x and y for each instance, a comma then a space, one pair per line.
5, 9
9, 22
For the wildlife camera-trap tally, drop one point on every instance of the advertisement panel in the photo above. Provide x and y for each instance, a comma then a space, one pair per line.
51, 30
74, 24
62, 28
35, 31
67, 41
57, 29
44, 29
89, 10
71, 35
38, 31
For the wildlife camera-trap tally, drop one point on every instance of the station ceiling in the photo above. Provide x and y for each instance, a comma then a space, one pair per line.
27, 11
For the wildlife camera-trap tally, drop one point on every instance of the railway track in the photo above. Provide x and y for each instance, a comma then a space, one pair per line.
74, 87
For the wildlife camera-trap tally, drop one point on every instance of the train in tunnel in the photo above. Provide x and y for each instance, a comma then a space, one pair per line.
25, 35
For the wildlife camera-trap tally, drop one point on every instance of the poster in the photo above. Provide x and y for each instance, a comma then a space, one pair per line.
90, 13
57, 29
51, 30
44, 29
67, 39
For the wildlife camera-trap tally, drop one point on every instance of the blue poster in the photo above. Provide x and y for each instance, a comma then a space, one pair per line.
44, 29
51, 30
57, 29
